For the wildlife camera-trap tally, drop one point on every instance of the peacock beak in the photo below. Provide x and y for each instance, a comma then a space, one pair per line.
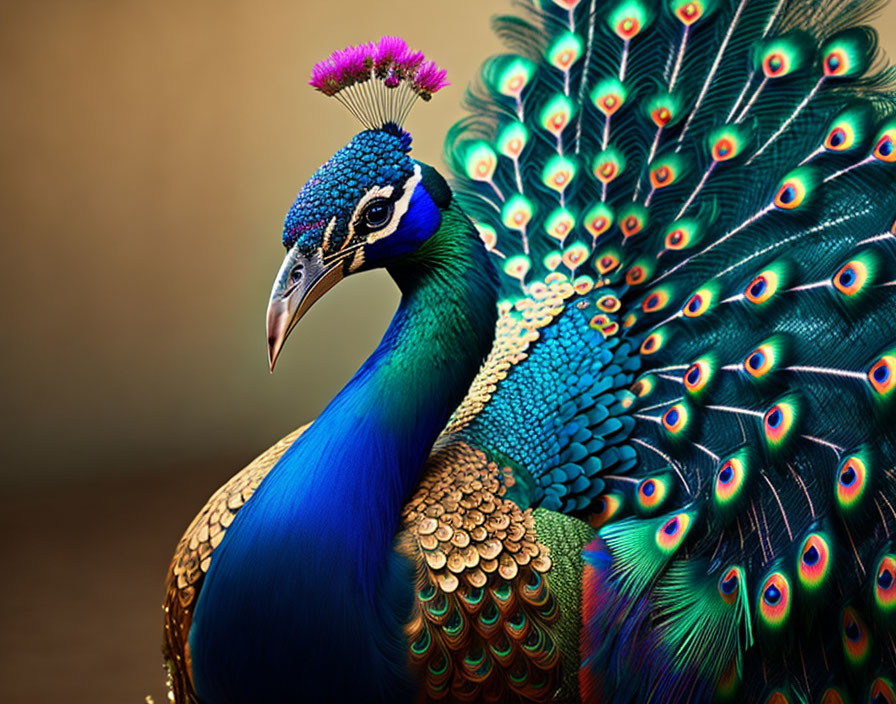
300, 282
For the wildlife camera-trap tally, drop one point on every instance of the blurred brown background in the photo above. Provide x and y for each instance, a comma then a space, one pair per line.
149, 151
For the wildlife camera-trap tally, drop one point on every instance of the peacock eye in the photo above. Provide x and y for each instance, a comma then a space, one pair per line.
377, 213
296, 274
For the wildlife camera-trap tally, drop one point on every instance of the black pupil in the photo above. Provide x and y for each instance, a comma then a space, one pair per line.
377, 214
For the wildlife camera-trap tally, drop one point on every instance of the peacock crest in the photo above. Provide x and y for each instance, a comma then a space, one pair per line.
378, 82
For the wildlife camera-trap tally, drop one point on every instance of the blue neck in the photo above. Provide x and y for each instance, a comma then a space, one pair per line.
310, 555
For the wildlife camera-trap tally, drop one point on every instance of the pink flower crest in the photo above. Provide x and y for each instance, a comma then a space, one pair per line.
393, 75
389, 60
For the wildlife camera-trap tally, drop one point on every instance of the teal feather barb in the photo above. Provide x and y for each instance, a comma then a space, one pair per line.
725, 170
673, 477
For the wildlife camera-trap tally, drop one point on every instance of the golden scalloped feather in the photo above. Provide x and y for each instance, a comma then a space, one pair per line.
483, 604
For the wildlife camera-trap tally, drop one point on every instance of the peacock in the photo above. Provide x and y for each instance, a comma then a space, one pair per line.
631, 434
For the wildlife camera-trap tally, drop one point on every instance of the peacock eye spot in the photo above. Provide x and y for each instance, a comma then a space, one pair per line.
377, 213
848, 278
848, 476
729, 584
885, 579
758, 287
772, 595
810, 557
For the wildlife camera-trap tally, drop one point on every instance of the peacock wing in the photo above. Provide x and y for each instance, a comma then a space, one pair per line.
552, 398
492, 613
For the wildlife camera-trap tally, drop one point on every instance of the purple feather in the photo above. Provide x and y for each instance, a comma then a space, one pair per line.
428, 79
387, 52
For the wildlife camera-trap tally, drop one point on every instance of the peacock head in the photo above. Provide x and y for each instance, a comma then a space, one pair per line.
370, 203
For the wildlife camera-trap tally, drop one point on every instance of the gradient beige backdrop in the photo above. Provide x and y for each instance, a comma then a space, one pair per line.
149, 152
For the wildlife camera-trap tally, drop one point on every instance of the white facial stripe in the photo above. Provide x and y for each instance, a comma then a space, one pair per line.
401, 207
329, 231
357, 261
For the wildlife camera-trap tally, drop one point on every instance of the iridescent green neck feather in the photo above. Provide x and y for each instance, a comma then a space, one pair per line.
332, 503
